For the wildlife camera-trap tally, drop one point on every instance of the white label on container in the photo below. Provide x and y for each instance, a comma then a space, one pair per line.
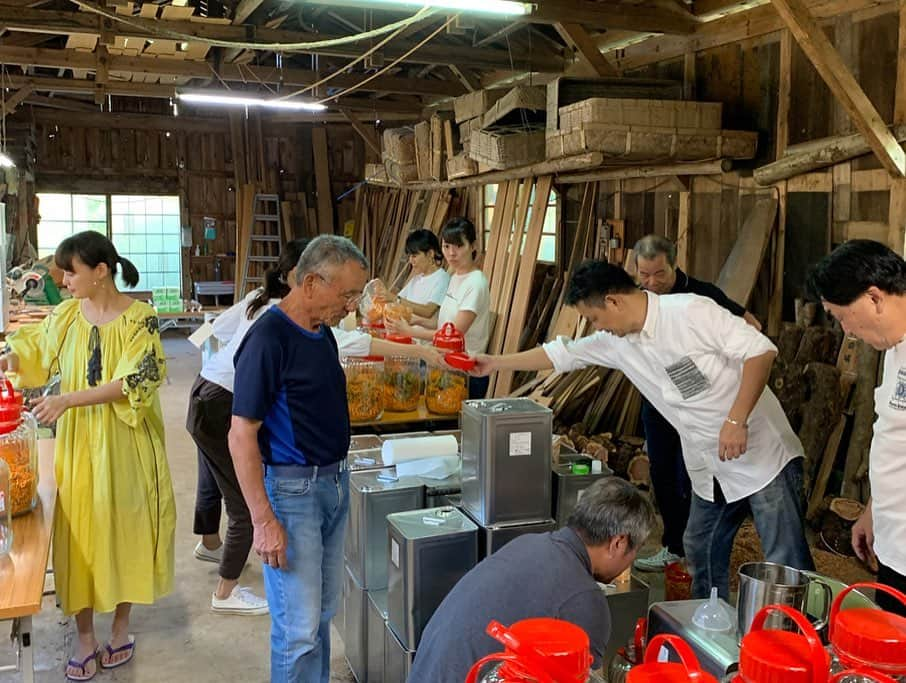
395, 553
521, 443
579, 494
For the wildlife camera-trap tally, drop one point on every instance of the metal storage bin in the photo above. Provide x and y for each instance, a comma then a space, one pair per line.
365, 453
375, 625
373, 496
430, 550
506, 460
628, 602
493, 538
438, 490
355, 634
397, 658
568, 489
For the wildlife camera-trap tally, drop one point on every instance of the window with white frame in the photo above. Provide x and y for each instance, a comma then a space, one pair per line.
547, 250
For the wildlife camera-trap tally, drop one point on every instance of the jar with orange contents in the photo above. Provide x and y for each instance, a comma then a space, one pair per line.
364, 388
19, 450
446, 389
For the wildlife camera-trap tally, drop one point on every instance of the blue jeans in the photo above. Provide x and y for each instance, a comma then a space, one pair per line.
779, 519
303, 597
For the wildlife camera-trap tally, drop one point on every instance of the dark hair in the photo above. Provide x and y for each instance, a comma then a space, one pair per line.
651, 245
593, 280
612, 507
421, 242
845, 274
92, 248
459, 231
275, 286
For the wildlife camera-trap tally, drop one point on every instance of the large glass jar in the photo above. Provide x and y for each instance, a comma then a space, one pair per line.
364, 388
19, 450
6, 525
403, 384
446, 389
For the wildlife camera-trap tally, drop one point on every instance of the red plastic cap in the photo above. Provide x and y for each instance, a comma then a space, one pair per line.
11, 403
460, 361
448, 338
870, 637
563, 648
666, 672
398, 339
776, 657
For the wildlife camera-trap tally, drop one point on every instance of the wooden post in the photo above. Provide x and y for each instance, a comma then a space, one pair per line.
775, 307
684, 229
896, 217
689, 76
322, 180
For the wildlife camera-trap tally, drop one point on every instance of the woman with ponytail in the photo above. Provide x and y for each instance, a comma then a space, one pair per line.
115, 516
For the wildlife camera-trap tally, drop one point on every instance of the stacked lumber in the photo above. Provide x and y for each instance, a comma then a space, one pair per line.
299, 216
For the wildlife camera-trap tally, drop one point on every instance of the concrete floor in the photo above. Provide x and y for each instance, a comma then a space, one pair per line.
178, 639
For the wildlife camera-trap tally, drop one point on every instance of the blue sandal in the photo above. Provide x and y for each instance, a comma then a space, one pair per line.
110, 652
83, 665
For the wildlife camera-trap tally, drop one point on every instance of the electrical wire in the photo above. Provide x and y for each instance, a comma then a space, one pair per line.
153, 28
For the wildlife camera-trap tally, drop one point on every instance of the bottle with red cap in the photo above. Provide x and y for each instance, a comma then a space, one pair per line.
536, 651
869, 640
446, 389
687, 670
19, 450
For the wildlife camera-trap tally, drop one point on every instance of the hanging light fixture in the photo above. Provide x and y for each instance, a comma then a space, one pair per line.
6, 162
245, 101
498, 7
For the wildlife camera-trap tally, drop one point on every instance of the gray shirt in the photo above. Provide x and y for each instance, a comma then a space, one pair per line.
536, 575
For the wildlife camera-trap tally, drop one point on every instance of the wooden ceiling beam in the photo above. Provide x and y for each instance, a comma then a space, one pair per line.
711, 8
11, 103
53, 21
185, 68
832, 69
367, 134
646, 17
244, 10
62, 103
588, 54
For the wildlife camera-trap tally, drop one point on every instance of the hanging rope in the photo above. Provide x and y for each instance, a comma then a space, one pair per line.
163, 32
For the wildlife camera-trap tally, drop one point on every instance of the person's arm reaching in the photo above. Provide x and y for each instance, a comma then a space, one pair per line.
734, 433
427, 310
269, 537
534, 359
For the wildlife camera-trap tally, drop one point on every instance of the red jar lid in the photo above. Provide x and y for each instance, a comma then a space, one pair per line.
553, 647
868, 637
449, 338
398, 338
11, 403
776, 657
653, 671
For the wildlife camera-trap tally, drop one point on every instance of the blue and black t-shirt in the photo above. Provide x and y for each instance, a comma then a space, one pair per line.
291, 379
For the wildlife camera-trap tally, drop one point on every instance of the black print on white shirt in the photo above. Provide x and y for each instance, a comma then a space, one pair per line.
686, 376
898, 400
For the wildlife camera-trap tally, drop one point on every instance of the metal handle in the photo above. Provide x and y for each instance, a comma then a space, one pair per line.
820, 663
828, 600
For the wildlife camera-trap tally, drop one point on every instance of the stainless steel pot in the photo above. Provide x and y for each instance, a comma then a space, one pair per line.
766, 583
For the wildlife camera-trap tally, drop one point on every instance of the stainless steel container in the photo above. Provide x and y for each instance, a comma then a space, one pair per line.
373, 496
376, 623
628, 602
397, 658
718, 653
355, 634
365, 453
568, 489
430, 550
493, 538
506, 460
766, 583
437, 491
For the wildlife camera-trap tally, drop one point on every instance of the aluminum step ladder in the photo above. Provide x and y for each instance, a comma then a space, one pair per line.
264, 243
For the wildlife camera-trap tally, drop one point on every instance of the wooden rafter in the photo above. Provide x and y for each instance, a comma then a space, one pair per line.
588, 54
468, 80
11, 103
244, 10
827, 62
367, 134
641, 17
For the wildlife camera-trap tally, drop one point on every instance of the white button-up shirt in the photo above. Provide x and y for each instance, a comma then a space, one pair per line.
687, 361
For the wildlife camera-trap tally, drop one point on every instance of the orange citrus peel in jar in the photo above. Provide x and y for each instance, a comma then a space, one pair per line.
23, 479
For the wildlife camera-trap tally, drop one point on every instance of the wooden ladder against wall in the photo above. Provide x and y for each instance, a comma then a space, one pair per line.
262, 250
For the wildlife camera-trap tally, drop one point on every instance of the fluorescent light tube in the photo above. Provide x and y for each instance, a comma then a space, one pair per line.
240, 101
6, 162
499, 7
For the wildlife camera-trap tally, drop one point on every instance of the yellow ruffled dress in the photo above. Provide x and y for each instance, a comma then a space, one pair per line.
115, 519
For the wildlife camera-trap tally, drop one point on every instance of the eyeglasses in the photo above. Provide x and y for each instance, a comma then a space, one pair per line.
350, 299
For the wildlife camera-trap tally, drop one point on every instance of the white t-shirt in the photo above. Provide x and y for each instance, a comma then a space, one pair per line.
469, 292
887, 463
231, 326
427, 289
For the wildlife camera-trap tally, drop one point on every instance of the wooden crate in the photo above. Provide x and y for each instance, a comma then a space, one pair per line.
376, 172
399, 145
461, 166
636, 112
568, 90
400, 173
476, 103
507, 147
520, 105
648, 143
466, 128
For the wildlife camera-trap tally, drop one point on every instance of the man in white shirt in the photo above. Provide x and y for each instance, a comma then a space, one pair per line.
863, 285
704, 370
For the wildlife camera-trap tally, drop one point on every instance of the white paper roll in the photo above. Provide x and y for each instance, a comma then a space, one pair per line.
395, 451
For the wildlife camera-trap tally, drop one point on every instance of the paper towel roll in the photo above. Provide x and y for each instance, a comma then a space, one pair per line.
395, 451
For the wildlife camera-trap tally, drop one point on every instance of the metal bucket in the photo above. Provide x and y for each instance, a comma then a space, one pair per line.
766, 583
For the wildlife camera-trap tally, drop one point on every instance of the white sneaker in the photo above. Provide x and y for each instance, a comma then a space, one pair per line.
241, 601
656, 562
208, 555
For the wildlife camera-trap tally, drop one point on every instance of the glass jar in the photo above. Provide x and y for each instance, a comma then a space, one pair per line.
375, 330
19, 450
6, 524
446, 389
364, 388
403, 384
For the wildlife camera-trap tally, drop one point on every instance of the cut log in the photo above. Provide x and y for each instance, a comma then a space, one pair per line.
863, 405
639, 471
819, 154
837, 523
819, 414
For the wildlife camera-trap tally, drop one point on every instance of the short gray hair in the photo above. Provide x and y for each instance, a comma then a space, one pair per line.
612, 507
651, 245
328, 250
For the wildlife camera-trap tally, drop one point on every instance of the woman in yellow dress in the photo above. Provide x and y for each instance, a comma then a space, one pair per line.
115, 517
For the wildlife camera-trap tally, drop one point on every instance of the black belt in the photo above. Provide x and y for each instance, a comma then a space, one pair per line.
305, 471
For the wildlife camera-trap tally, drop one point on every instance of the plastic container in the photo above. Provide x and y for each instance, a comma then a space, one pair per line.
403, 380
711, 615
364, 388
376, 329
446, 389
537, 651
374, 298
6, 522
687, 670
19, 450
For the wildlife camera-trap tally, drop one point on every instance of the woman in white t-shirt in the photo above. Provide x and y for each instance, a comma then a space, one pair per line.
426, 289
467, 300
